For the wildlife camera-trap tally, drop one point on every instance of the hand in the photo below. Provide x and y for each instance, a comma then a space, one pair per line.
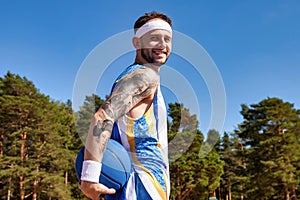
94, 190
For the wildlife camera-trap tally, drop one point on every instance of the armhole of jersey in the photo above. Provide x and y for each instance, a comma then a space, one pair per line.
115, 135
128, 70
156, 111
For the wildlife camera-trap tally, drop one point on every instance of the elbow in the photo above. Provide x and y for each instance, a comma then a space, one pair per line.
102, 123
103, 115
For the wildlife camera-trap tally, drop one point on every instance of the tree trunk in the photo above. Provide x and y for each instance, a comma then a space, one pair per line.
22, 157
229, 193
178, 196
186, 193
219, 192
66, 178
22, 192
242, 195
287, 197
1, 149
294, 196
34, 195
287, 194
9, 188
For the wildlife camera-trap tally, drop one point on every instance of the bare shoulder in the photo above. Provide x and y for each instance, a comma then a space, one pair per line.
145, 81
147, 75
138, 81
133, 90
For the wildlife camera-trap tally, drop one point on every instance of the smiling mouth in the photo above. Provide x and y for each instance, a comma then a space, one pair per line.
159, 52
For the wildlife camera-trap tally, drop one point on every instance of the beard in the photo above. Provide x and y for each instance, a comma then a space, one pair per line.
146, 55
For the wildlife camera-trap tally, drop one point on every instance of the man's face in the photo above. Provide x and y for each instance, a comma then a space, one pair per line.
156, 46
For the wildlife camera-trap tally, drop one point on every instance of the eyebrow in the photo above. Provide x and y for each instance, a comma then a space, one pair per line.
157, 34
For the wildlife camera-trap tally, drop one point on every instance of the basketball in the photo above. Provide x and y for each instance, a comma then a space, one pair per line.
116, 165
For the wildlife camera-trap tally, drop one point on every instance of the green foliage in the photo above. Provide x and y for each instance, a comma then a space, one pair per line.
175, 113
182, 120
36, 142
39, 142
192, 177
85, 114
235, 177
263, 155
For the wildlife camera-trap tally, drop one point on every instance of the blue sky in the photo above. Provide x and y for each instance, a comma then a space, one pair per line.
254, 44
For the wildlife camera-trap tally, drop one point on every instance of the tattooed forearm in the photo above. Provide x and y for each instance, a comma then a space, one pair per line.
98, 131
102, 125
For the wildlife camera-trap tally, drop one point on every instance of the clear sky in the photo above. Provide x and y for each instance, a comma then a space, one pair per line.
254, 44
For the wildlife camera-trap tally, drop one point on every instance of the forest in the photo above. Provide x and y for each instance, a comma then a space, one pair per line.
40, 138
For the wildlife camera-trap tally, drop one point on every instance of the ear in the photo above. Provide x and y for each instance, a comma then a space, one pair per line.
136, 43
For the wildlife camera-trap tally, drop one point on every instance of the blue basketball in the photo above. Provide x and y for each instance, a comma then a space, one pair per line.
116, 165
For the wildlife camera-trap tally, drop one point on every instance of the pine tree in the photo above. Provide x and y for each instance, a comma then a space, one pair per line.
17, 116
84, 115
37, 151
227, 179
174, 112
192, 177
234, 179
270, 135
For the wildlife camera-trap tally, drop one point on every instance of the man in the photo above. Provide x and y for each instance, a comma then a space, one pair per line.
135, 115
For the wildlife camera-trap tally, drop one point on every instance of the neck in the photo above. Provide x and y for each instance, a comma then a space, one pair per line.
150, 65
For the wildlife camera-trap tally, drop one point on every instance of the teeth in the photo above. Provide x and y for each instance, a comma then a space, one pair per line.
158, 52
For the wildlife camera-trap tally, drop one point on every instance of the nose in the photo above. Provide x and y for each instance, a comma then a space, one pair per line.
162, 43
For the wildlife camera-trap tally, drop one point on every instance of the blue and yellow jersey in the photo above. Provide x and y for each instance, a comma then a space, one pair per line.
145, 139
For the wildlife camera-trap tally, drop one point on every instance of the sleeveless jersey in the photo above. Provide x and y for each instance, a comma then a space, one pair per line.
145, 139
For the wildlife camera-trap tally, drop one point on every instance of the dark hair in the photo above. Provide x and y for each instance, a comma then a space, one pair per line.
149, 16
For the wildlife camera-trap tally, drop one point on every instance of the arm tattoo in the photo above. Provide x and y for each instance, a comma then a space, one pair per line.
132, 89
102, 138
129, 91
102, 125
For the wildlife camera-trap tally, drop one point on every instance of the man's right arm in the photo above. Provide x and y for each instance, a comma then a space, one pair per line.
132, 89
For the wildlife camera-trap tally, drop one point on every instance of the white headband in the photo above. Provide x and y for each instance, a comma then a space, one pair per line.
152, 25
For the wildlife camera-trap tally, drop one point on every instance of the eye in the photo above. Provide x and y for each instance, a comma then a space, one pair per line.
167, 39
154, 38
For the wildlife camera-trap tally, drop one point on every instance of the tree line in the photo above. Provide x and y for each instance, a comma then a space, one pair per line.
40, 138
262, 155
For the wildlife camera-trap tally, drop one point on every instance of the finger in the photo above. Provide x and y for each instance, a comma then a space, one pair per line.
105, 190
110, 191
